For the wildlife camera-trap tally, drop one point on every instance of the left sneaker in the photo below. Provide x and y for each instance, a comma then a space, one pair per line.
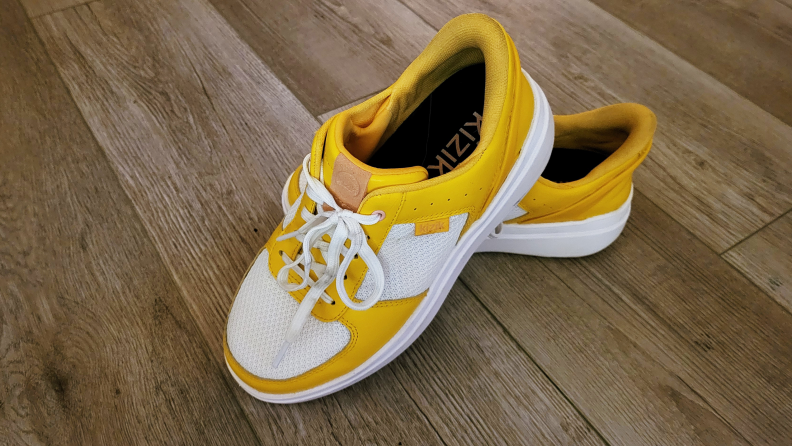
397, 194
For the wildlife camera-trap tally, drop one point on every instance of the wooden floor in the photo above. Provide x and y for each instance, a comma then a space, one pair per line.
143, 144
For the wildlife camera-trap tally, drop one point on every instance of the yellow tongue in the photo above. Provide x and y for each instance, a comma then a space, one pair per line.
346, 176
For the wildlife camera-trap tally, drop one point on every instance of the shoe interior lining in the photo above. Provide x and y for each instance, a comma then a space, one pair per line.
567, 165
445, 129
577, 152
442, 131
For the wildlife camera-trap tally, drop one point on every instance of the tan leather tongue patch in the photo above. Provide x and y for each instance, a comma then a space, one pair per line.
349, 183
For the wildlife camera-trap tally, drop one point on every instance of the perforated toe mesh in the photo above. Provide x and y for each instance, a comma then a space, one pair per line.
258, 322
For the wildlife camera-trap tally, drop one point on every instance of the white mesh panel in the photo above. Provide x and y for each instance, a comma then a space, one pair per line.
258, 322
410, 261
515, 212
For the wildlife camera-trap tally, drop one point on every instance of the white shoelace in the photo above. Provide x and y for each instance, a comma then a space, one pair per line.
341, 225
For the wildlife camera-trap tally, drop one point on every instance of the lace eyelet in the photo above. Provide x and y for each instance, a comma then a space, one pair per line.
381, 214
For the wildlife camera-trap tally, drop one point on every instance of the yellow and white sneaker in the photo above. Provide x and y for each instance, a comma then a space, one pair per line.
397, 194
582, 201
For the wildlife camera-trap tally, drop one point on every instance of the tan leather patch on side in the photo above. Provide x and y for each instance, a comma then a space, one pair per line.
432, 226
349, 183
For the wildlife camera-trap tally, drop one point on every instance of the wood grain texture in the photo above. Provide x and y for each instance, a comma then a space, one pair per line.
209, 192
325, 116
330, 52
656, 339
37, 8
96, 345
766, 259
746, 44
720, 164
203, 136
478, 387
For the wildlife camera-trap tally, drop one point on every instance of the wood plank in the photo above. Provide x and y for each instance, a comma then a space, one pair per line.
203, 136
96, 345
766, 259
37, 8
478, 387
720, 164
330, 53
656, 338
747, 45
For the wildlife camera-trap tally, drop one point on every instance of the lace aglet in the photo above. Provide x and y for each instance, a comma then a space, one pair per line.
281, 353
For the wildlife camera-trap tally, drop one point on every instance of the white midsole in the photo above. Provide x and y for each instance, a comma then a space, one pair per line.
532, 160
564, 239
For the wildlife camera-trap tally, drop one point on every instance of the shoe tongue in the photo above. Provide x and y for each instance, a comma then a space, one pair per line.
347, 177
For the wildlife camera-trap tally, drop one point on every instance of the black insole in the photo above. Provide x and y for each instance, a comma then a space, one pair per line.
443, 131
567, 165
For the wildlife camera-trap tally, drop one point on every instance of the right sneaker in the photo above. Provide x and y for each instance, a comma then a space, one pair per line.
398, 193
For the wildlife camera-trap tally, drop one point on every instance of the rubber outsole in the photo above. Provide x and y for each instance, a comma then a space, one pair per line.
565, 239
532, 160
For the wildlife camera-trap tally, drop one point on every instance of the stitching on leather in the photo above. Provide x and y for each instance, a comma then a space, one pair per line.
455, 212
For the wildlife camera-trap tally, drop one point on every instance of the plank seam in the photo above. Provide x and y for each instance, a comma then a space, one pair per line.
44, 14
428, 421
754, 233
418, 15
209, 4
531, 358
683, 59
744, 274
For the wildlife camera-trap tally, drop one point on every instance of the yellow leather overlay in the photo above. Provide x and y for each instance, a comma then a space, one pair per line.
294, 185
370, 330
432, 226
625, 130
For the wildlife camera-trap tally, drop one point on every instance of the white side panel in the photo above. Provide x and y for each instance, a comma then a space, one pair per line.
515, 212
411, 262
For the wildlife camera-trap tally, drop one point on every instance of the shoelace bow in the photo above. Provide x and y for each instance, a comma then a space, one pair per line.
341, 225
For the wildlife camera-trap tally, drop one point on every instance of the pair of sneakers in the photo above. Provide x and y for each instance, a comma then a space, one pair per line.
461, 154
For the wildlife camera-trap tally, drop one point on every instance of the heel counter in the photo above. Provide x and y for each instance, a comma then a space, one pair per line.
519, 111
586, 203
549, 202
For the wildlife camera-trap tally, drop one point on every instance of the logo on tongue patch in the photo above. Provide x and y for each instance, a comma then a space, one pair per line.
348, 184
